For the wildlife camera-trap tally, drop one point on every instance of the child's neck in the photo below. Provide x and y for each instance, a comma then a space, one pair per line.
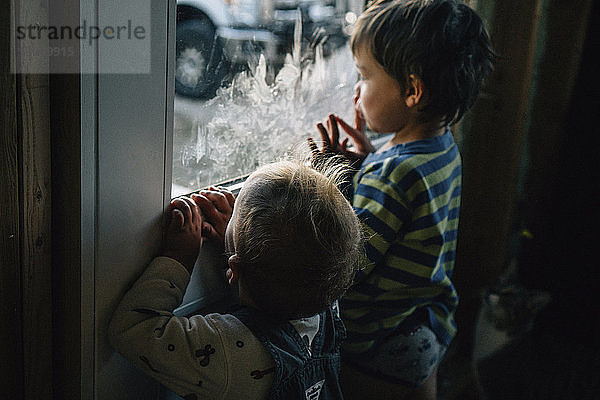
411, 133
245, 299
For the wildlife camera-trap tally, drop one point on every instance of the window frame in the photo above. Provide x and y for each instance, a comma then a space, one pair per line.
125, 161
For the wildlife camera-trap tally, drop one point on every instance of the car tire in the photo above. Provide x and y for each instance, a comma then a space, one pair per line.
199, 64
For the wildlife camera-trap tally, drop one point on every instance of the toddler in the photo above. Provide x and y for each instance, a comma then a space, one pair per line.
422, 64
293, 242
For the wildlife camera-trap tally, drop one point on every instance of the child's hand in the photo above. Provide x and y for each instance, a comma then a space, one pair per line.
184, 233
217, 206
330, 137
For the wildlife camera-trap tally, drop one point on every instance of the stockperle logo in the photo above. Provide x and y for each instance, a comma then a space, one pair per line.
113, 39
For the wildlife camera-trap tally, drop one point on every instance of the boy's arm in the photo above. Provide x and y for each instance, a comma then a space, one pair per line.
383, 210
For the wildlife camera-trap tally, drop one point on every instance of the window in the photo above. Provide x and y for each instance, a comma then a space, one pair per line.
251, 87
125, 163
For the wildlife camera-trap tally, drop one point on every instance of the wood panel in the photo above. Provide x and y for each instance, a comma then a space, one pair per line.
11, 365
36, 251
30, 202
34, 123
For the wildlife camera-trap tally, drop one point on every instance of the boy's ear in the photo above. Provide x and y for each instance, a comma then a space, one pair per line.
414, 92
233, 273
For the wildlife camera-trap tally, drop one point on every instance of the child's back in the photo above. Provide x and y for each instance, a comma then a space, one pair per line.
293, 242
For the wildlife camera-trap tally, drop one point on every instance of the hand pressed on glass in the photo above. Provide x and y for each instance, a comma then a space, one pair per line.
183, 238
330, 136
216, 204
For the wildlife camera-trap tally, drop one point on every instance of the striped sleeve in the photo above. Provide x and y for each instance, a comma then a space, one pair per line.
381, 207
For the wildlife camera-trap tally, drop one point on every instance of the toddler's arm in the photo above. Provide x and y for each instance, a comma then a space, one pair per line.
200, 354
145, 331
197, 355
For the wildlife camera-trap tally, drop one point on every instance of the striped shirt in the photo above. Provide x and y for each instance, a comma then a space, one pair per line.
408, 199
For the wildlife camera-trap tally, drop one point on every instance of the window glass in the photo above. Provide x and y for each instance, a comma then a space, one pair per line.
253, 78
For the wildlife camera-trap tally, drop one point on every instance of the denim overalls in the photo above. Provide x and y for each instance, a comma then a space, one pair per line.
298, 373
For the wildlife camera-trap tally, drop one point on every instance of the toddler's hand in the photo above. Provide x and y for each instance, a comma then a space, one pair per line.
216, 204
330, 137
183, 239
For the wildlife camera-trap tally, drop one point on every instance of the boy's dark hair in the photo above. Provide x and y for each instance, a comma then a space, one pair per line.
297, 239
442, 42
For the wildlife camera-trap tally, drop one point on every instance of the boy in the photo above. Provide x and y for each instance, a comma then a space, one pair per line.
422, 63
293, 242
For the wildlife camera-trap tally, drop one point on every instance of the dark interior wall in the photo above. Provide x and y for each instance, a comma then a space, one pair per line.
559, 358
65, 122
493, 136
66, 234
564, 216
532, 108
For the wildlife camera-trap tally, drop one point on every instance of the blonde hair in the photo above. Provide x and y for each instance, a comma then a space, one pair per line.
297, 239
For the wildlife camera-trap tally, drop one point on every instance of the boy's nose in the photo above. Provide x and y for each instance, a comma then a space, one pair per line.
357, 93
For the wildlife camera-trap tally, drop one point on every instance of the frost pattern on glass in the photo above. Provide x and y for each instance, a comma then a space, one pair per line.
251, 122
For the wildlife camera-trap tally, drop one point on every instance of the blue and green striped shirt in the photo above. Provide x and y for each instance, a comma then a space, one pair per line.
408, 198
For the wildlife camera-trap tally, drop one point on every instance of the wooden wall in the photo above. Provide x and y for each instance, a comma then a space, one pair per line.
26, 301
11, 367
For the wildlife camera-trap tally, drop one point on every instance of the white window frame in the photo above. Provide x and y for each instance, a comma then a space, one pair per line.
126, 161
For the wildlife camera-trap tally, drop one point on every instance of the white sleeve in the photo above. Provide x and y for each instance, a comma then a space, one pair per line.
187, 355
